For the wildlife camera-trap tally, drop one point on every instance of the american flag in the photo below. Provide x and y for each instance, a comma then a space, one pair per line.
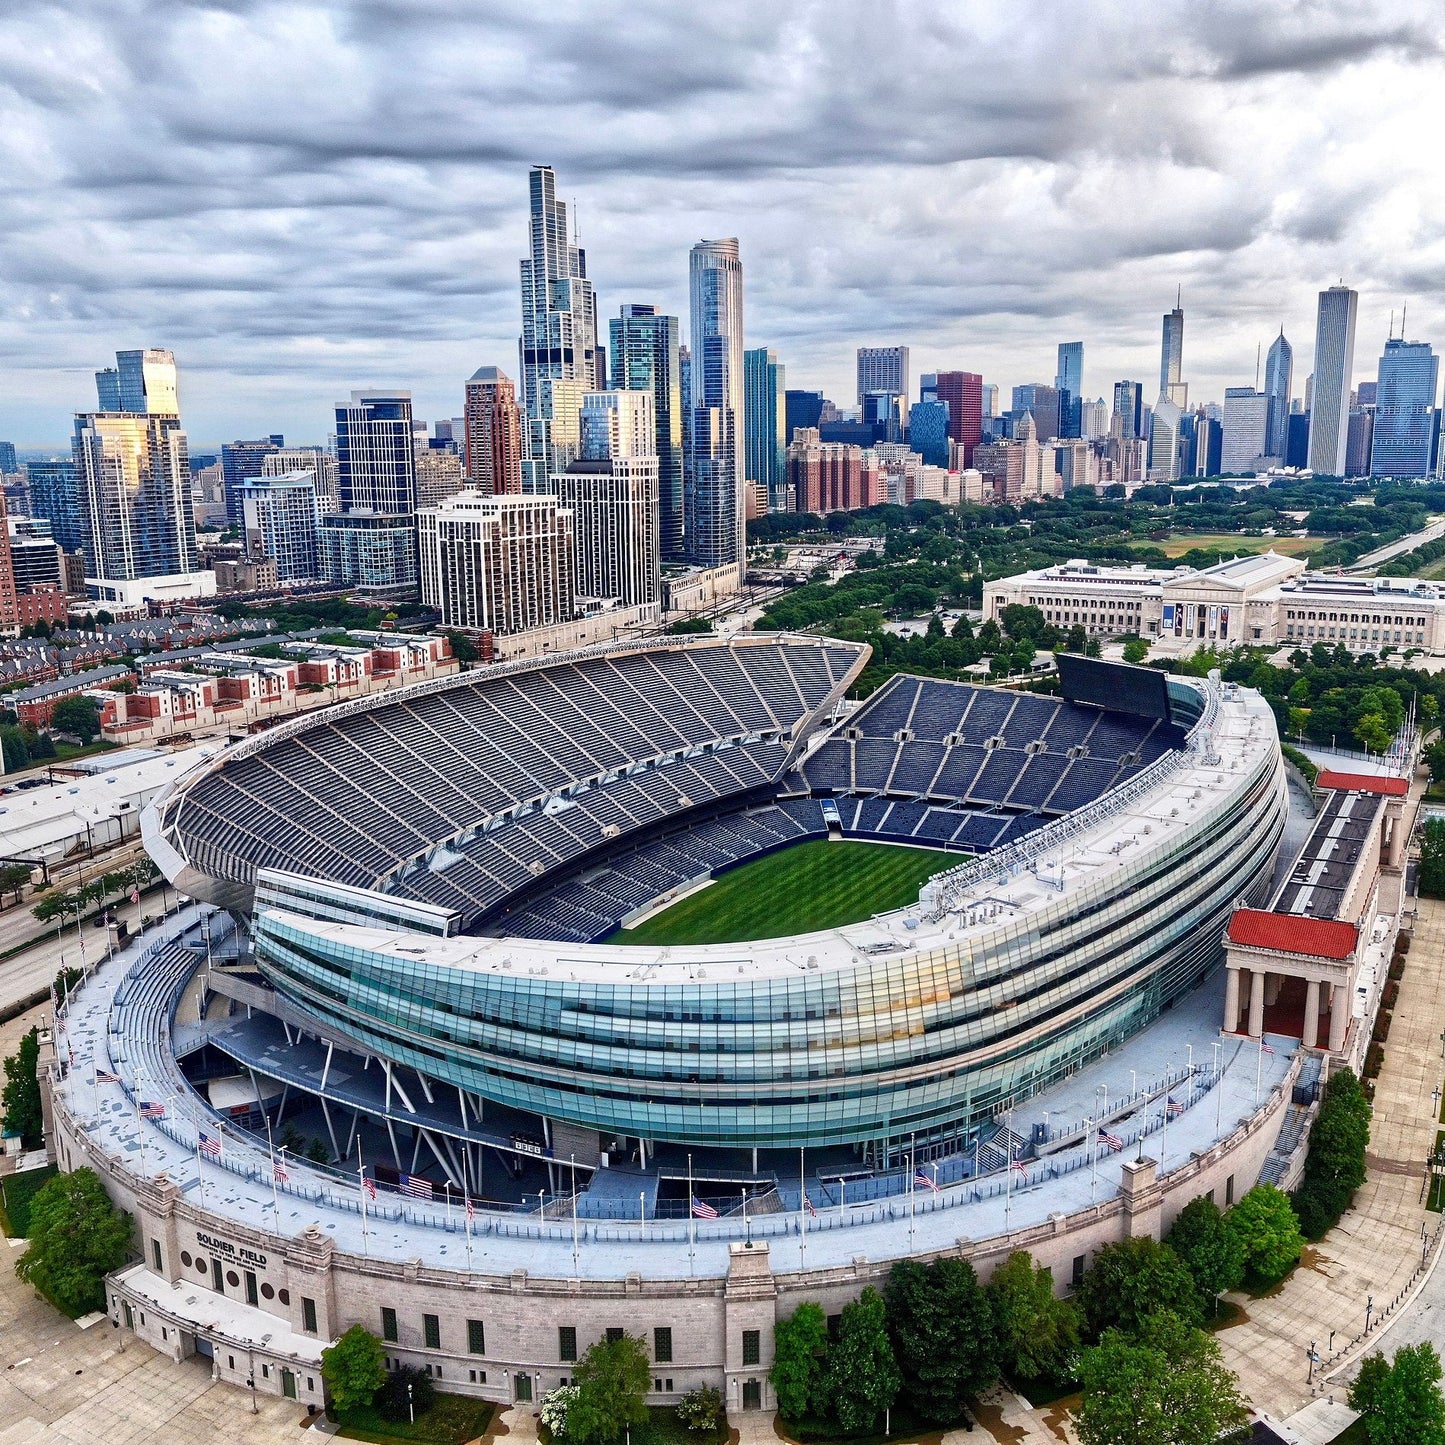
1019, 1165
104, 1077
471, 1210
211, 1144
367, 1185
922, 1181
1174, 1107
1112, 1140
415, 1184
703, 1211
1267, 1049
808, 1205
279, 1171
152, 1111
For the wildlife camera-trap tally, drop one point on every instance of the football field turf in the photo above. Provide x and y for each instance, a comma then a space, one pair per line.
796, 890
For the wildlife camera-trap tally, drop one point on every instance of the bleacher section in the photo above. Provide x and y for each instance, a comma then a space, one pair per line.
353, 799
956, 746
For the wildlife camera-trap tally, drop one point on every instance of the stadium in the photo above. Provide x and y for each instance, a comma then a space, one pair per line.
614, 977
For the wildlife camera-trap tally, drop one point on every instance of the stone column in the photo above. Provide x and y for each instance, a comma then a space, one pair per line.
1231, 1000
1256, 1004
1312, 1014
1339, 1018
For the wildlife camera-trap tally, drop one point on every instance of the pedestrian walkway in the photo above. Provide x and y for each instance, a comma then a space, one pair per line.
1374, 1254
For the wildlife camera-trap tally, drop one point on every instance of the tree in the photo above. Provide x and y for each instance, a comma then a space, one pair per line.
78, 715
1132, 1279
862, 1378
1211, 1251
13, 878
800, 1344
1401, 1403
1432, 859
612, 1381
1335, 1165
1165, 1386
354, 1369
555, 1405
76, 1238
1265, 1226
21, 1095
1037, 1332
941, 1328
408, 1388
463, 648
1372, 733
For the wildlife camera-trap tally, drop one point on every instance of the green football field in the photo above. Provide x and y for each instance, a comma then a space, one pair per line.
796, 890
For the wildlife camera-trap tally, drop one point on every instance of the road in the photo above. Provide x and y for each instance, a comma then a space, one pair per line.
1430, 533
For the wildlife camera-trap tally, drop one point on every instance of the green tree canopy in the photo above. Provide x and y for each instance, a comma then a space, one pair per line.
942, 1331
1401, 1402
1432, 859
1335, 1165
1165, 1385
1211, 1251
76, 1238
800, 1343
862, 1378
21, 1095
78, 715
1037, 1331
1268, 1232
354, 1369
612, 1381
1132, 1279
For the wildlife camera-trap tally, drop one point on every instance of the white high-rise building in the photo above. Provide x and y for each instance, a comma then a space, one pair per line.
1330, 392
715, 499
612, 493
1164, 441
1244, 443
316, 460
282, 521
498, 564
883, 368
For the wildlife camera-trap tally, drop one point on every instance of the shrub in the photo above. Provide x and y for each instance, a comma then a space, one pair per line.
393, 1401
702, 1410
1374, 1058
1268, 1232
555, 1406
353, 1369
800, 1346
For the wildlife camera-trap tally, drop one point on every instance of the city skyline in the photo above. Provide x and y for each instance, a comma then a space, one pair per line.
290, 251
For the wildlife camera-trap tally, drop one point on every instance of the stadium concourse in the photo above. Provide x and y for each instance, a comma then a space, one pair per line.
526, 1133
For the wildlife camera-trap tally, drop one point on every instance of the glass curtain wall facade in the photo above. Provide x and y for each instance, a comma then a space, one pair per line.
715, 510
1405, 422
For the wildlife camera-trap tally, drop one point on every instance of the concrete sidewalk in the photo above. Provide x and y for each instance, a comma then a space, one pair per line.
1376, 1249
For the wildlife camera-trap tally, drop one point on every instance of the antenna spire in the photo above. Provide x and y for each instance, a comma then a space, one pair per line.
1402, 319
1256, 366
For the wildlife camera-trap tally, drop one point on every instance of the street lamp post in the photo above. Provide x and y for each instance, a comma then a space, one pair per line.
410, 1404
1369, 1310
1314, 1360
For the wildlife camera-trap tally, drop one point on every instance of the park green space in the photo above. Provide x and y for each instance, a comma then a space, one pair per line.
795, 890
1178, 543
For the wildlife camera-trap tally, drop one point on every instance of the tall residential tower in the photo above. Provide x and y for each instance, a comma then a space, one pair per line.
1334, 368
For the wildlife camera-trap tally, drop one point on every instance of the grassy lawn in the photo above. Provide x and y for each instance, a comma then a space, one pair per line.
1178, 543
19, 1190
452, 1420
1354, 1435
796, 890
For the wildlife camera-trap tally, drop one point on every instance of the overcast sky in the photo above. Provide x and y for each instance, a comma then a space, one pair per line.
299, 199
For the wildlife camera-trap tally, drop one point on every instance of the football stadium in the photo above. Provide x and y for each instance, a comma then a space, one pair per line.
661, 986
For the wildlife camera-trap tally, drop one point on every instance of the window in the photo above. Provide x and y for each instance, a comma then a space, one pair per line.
1229, 1191
156, 1255
662, 1345
230, 1362
567, 1342
308, 1315
388, 1324
476, 1338
614, 1333
752, 1347
431, 1328
1076, 1278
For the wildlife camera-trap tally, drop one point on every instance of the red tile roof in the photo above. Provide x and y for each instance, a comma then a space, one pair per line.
1293, 933
1363, 783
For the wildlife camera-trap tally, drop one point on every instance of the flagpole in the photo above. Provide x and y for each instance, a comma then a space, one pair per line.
912, 1166
691, 1221
1258, 1067
802, 1212
200, 1172
573, 1158
1008, 1180
1093, 1165
447, 1204
361, 1177
1164, 1136
467, 1199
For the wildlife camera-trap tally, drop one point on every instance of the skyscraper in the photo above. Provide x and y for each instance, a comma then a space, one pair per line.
928, 431
1334, 367
1043, 404
765, 406
375, 458
611, 494
1171, 358
133, 485
1245, 443
142, 382
715, 501
1068, 381
963, 391
1128, 410
1164, 438
240, 462
559, 318
8, 463
281, 520
55, 496
1278, 375
493, 446
883, 368
1405, 409
646, 356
